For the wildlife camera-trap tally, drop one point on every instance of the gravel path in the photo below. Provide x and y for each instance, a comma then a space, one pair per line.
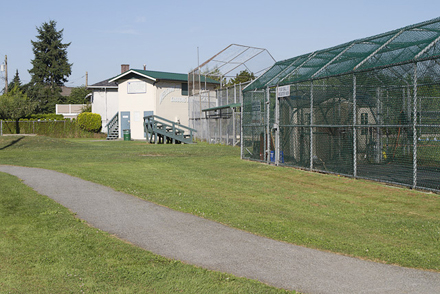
217, 247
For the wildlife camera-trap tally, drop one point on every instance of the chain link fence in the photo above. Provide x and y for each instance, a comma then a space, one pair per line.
216, 115
380, 121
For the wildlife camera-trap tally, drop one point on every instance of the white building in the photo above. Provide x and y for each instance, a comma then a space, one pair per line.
104, 101
123, 101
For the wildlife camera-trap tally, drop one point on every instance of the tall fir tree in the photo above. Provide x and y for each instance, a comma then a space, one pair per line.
50, 67
15, 81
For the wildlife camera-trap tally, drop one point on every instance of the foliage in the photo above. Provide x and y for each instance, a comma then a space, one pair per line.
50, 67
353, 217
243, 77
90, 122
15, 82
87, 108
46, 116
215, 75
51, 128
15, 105
79, 95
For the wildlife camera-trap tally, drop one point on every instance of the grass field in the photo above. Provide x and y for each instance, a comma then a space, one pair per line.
352, 217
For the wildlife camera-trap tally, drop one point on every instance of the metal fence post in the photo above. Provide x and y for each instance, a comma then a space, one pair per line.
354, 127
311, 126
234, 135
267, 137
277, 129
414, 128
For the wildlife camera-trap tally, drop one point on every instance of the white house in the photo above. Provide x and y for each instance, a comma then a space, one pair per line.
104, 101
123, 101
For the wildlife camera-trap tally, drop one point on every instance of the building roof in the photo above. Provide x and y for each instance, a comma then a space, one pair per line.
66, 91
103, 84
159, 75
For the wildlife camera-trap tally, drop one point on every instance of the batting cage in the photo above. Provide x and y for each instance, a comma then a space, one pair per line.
366, 109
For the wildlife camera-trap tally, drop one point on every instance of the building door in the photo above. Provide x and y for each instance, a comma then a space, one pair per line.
125, 121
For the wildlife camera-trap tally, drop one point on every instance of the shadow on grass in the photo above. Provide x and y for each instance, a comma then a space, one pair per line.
12, 143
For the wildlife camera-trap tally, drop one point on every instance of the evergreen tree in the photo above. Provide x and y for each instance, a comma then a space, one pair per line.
242, 77
50, 67
15, 81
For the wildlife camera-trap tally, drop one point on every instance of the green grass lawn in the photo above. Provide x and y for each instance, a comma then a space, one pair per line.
354, 217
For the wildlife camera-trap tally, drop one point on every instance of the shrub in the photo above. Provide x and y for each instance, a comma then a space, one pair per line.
46, 116
90, 122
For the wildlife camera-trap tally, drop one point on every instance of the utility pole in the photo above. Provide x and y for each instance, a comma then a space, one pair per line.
6, 74
87, 79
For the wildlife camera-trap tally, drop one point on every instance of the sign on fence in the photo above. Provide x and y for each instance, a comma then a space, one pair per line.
283, 91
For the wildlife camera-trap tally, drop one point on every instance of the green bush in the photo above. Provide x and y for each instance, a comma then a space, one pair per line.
90, 122
46, 116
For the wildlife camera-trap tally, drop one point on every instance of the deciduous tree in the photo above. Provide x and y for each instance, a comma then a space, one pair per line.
16, 105
79, 95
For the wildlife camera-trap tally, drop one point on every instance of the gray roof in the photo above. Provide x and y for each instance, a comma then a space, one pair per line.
104, 84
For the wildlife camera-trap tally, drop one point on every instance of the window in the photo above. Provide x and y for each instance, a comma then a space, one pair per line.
184, 89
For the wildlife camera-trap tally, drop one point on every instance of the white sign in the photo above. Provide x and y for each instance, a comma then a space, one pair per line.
136, 87
137, 116
284, 91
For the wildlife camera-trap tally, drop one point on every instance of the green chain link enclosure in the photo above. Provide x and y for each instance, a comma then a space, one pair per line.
367, 109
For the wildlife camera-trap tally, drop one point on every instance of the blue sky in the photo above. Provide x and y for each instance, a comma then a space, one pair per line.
165, 34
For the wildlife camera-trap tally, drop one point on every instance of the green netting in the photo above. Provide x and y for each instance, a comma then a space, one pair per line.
409, 44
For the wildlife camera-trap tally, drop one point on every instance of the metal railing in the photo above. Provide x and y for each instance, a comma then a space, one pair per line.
161, 130
113, 127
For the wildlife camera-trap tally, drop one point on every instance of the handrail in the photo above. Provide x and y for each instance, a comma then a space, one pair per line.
169, 121
167, 130
112, 124
114, 118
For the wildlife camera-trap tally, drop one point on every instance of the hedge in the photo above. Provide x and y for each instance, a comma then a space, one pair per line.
52, 128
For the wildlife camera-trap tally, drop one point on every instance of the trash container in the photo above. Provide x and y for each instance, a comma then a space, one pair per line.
127, 135
272, 156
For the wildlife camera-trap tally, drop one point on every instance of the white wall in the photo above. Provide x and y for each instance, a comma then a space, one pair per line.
171, 104
105, 103
137, 103
164, 99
